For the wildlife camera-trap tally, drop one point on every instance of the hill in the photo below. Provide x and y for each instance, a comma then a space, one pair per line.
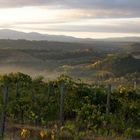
79, 60
130, 39
66, 46
12, 34
132, 47
120, 64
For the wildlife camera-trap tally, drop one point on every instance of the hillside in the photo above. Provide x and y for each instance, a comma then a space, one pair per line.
132, 47
13, 34
120, 64
78, 60
53, 45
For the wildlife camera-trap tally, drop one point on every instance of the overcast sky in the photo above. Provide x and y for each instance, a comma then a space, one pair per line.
79, 18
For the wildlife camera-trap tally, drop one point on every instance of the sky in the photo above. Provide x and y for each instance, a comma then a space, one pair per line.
78, 18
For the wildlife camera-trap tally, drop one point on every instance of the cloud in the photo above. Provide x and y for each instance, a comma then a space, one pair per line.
18, 3
67, 16
127, 8
104, 4
129, 25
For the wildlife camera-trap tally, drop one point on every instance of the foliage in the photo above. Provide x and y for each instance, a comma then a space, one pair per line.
37, 102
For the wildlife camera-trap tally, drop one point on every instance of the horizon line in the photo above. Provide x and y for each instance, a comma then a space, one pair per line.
76, 37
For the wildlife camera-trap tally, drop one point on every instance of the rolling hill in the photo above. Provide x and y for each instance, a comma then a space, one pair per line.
132, 47
120, 64
50, 58
12, 34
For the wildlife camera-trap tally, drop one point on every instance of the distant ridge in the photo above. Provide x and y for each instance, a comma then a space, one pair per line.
125, 39
12, 34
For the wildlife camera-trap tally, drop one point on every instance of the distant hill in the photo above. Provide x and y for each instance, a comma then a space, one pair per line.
51, 58
133, 47
66, 46
124, 39
120, 64
12, 34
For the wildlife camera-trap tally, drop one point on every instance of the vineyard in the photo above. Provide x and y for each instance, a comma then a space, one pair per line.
67, 109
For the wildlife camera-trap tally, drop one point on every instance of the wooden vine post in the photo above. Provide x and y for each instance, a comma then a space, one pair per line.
3, 113
62, 86
108, 99
135, 85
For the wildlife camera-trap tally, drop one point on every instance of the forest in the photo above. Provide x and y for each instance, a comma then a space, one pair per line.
67, 109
